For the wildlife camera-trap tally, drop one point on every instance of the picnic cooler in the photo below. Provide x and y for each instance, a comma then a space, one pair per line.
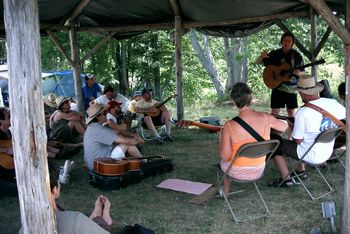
210, 120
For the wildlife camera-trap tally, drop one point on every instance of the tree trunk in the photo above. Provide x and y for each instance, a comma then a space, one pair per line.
237, 65
121, 73
27, 116
155, 68
207, 60
229, 62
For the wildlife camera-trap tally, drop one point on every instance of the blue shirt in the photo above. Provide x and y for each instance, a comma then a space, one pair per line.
90, 92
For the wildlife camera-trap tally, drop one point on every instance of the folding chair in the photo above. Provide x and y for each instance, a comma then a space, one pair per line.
324, 137
250, 150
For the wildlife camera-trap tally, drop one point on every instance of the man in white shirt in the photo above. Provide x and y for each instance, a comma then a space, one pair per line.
308, 124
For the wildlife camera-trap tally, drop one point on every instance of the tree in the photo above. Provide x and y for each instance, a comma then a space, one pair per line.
206, 58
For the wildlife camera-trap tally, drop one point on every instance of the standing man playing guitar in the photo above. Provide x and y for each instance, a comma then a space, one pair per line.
155, 114
282, 96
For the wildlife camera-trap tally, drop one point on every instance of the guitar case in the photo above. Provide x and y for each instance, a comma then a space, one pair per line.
156, 167
210, 120
326, 92
108, 183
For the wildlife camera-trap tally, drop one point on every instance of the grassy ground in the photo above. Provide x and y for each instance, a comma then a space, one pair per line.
194, 153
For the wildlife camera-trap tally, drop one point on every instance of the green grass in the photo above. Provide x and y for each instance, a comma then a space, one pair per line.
194, 153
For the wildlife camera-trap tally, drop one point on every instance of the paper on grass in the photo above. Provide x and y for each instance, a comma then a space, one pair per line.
185, 186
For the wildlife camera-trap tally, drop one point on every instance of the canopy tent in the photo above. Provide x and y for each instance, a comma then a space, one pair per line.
127, 18
61, 83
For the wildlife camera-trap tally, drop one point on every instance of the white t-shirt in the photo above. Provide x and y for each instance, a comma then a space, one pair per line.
102, 100
124, 101
309, 123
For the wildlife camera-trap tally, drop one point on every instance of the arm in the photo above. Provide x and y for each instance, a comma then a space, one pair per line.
71, 116
263, 55
276, 124
125, 140
225, 143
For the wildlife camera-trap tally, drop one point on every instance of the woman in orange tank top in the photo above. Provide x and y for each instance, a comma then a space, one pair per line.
234, 136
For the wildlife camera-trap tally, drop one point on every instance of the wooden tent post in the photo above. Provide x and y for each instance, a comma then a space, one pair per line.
313, 19
178, 59
178, 62
345, 227
76, 66
27, 116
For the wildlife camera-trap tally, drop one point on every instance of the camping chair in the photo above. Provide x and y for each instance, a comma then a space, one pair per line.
324, 137
251, 150
145, 133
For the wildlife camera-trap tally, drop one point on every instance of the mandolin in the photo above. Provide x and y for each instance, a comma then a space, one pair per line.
112, 167
159, 105
186, 123
275, 75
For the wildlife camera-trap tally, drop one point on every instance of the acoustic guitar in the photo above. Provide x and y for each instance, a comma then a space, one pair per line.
6, 160
275, 75
159, 105
112, 167
186, 123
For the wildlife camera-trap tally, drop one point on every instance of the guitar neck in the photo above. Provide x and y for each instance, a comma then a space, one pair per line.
163, 102
310, 64
291, 119
200, 125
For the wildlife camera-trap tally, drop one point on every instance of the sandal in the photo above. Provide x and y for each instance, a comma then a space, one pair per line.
287, 183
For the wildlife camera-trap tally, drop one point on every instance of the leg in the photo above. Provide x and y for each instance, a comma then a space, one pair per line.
166, 116
227, 185
282, 166
106, 210
148, 121
291, 112
98, 208
275, 111
77, 127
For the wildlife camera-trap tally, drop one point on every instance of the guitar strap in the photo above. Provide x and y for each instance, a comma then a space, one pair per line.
327, 114
249, 129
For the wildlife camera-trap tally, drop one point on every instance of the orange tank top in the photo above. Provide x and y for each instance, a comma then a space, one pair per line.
245, 161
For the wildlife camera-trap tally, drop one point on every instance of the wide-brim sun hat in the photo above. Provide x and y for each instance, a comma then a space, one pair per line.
93, 111
308, 85
50, 100
60, 100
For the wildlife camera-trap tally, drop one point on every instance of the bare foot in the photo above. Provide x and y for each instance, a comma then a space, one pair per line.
106, 209
98, 208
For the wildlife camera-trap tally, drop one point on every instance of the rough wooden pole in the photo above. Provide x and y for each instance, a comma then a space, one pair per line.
178, 63
27, 116
313, 25
76, 66
345, 228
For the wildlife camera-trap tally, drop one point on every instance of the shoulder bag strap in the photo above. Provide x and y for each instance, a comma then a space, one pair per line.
249, 129
327, 114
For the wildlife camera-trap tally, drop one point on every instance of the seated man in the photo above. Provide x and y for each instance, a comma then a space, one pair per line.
308, 124
233, 136
112, 122
66, 125
100, 220
153, 115
101, 141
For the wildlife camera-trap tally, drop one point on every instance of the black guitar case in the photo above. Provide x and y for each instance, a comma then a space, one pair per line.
109, 183
157, 166
326, 92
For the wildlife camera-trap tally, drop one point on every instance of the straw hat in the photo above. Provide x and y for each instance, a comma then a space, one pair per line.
50, 99
60, 100
93, 111
307, 84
